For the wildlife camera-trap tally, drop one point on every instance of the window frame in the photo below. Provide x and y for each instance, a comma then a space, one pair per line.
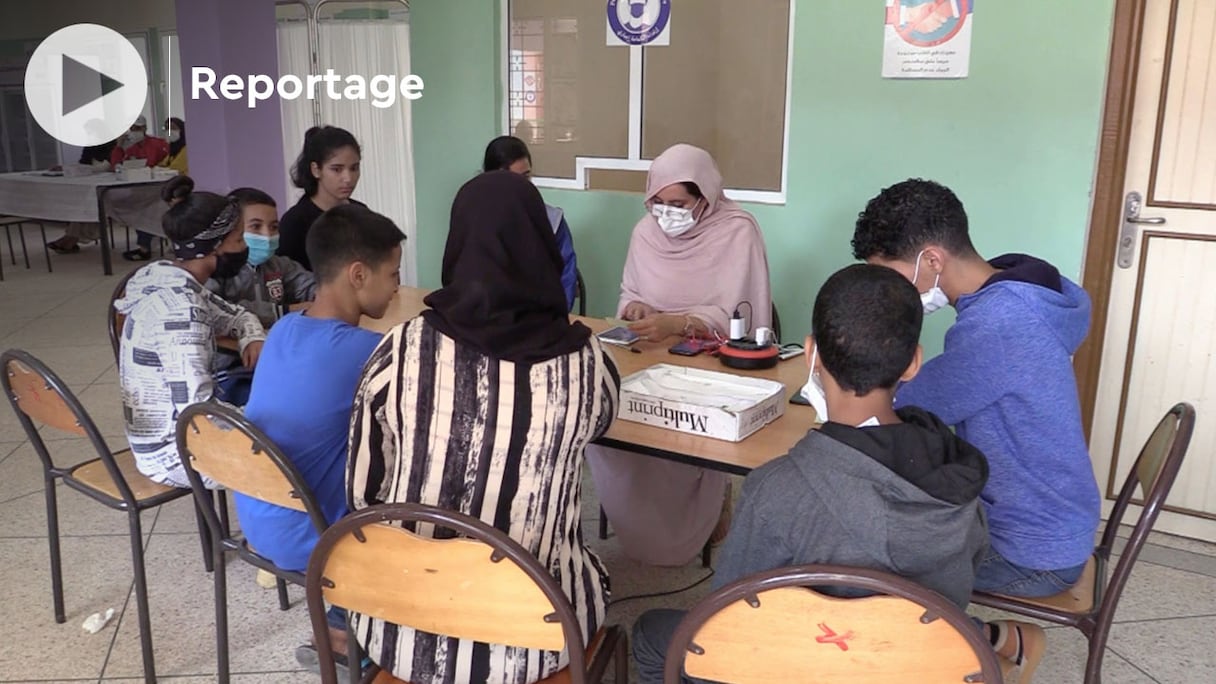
635, 162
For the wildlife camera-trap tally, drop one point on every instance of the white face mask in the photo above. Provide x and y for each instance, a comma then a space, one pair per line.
812, 391
134, 137
675, 221
935, 298
174, 136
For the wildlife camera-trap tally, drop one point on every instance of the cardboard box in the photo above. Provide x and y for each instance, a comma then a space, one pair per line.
699, 402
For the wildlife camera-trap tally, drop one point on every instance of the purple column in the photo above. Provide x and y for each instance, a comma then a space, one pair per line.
231, 145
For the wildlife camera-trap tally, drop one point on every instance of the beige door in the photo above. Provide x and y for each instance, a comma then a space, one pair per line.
1161, 333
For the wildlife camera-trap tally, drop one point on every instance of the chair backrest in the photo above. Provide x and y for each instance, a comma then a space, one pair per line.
777, 324
114, 319
39, 397
482, 586
582, 292
1153, 474
770, 627
217, 441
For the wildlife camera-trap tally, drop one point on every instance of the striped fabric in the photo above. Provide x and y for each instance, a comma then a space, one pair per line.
439, 423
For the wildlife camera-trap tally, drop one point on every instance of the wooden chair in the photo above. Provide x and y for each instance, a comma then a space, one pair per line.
216, 441
484, 587
39, 397
1090, 605
770, 627
114, 319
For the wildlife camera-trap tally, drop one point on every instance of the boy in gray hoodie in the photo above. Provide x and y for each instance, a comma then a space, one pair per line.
873, 488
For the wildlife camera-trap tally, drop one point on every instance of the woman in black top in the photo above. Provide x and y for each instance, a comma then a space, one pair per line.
327, 170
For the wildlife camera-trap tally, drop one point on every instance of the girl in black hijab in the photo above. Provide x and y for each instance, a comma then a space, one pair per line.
483, 405
502, 292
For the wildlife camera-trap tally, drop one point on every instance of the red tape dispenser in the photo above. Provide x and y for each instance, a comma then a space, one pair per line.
744, 353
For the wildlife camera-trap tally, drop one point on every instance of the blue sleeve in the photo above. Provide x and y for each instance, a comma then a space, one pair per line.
965, 378
565, 243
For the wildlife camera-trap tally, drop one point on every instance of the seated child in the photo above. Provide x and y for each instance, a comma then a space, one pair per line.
269, 284
1005, 381
305, 385
874, 488
168, 338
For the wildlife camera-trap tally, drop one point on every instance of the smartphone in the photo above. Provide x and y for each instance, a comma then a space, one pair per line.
619, 335
687, 348
789, 351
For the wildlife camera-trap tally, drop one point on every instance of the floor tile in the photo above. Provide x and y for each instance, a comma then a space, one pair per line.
78, 367
79, 516
20, 473
11, 322
97, 576
46, 333
1064, 661
263, 638
1154, 592
1172, 651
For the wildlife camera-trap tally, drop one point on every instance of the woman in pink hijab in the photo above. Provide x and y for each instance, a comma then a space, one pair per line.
694, 259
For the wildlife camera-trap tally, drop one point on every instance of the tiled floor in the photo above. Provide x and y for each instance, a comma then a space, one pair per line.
1165, 631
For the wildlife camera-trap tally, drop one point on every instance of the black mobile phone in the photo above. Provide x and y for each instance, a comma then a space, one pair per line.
687, 348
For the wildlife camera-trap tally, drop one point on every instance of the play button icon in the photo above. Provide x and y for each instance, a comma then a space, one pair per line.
85, 84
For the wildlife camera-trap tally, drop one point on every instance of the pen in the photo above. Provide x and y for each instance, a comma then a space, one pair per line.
635, 350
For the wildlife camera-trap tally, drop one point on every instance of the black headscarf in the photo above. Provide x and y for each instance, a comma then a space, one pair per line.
502, 291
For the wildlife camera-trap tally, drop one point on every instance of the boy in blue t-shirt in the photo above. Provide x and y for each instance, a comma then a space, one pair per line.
307, 375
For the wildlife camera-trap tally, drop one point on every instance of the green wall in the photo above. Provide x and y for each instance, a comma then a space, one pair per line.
1016, 139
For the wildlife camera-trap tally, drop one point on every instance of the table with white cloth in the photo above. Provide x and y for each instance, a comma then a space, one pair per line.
94, 197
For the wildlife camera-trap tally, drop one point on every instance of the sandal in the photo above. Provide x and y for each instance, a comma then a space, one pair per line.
137, 255
1032, 642
63, 249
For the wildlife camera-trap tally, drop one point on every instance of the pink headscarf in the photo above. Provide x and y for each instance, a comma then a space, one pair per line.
708, 271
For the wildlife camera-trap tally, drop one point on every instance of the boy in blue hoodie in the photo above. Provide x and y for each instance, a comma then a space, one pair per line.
1005, 381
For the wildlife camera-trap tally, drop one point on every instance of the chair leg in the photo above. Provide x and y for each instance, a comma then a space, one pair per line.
221, 498
141, 597
281, 585
221, 612
52, 536
621, 675
24, 252
603, 524
8, 233
204, 537
46, 251
354, 663
1097, 650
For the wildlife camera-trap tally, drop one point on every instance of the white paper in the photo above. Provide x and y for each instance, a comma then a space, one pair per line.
927, 39
95, 622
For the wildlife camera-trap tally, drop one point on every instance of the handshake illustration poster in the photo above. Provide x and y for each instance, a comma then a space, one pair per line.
927, 39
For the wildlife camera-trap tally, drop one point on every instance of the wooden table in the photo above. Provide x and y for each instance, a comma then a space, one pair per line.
768, 443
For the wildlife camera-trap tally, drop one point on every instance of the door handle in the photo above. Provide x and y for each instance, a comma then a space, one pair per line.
1132, 219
